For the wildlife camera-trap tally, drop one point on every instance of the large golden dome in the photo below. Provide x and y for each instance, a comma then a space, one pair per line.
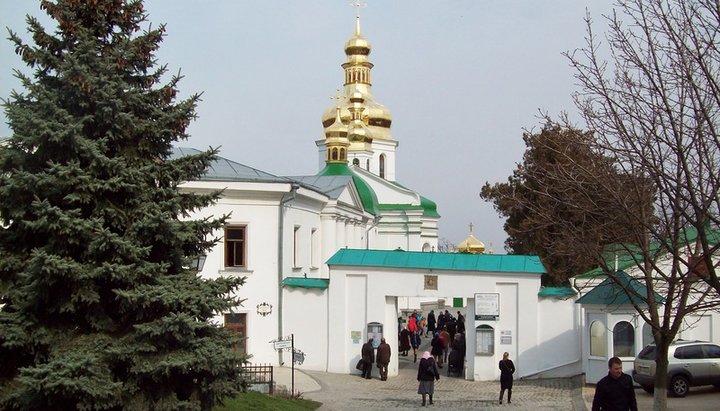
357, 82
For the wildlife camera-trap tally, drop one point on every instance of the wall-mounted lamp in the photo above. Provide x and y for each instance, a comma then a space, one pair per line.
264, 309
198, 262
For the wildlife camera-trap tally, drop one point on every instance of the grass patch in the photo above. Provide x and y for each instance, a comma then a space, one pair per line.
258, 401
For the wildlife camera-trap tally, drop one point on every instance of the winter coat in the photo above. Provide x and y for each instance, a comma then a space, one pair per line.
368, 352
383, 353
428, 370
507, 368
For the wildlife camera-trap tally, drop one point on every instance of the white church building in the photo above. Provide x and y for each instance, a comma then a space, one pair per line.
328, 257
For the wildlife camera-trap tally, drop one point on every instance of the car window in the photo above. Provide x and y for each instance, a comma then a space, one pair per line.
647, 353
689, 353
711, 351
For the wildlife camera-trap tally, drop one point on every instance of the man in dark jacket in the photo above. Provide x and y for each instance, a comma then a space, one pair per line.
615, 391
368, 356
383, 358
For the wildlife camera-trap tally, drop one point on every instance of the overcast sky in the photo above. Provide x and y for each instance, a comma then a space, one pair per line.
461, 78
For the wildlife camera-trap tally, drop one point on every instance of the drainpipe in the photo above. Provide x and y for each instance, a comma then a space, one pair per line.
287, 197
376, 221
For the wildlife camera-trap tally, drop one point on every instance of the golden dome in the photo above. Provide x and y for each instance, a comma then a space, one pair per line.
357, 44
377, 118
471, 244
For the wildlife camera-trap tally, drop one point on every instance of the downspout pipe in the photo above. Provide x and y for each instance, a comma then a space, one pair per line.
286, 198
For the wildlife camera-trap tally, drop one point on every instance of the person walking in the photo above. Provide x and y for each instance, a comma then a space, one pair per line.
507, 368
412, 326
383, 358
427, 374
404, 343
615, 391
445, 338
431, 323
437, 349
368, 356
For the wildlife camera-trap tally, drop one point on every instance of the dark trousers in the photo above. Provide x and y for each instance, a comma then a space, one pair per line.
367, 369
383, 371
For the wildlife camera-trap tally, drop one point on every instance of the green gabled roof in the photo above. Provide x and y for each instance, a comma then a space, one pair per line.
303, 282
367, 195
609, 292
429, 207
438, 261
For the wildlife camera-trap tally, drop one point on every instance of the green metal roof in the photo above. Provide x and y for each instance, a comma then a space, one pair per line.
438, 261
303, 282
369, 198
609, 292
367, 195
557, 292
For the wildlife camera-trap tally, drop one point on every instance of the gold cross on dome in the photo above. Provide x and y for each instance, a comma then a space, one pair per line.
338, 96
358, 4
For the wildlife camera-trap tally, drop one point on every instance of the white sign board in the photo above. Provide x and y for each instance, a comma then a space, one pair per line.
487, 306
282, 344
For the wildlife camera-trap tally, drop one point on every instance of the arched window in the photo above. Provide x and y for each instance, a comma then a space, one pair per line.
598, 339
382, 165
485, 340
367, 165
623, 339
334, 154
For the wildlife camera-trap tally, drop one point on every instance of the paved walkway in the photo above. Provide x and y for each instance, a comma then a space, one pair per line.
343, 392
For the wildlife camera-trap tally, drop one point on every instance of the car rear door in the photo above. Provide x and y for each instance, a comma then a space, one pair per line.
691, 359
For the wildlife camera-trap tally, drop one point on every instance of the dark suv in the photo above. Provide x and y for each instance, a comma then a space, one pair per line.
690, 363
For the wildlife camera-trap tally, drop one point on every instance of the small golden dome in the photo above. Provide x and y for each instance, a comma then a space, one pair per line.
337, 128
471, 244
357, 44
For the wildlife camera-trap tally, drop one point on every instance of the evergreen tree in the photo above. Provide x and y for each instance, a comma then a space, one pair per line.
100, 309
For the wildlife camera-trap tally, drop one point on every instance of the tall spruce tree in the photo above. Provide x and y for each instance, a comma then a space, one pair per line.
100, 309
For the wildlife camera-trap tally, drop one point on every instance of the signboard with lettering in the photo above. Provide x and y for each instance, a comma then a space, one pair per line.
487, 306
282, 344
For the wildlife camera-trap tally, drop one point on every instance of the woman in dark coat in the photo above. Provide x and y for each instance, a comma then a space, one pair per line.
437, 349
507, 368
428, 373
404, 342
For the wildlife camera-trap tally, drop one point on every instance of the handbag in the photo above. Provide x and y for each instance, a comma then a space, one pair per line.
359, 365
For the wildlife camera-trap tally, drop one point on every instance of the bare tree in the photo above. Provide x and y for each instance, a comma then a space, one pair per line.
655, 110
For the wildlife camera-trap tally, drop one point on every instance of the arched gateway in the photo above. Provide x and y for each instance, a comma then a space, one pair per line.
500, 294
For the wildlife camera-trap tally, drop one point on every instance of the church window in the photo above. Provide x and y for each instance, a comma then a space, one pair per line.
314, 247
485, 340
624, 339
334, 154
235, 247
237, 325
356, 161
367, 165
296, 246
382, 165
598, 339
342, 154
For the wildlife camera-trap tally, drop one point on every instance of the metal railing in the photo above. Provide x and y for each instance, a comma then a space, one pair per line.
258, 375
